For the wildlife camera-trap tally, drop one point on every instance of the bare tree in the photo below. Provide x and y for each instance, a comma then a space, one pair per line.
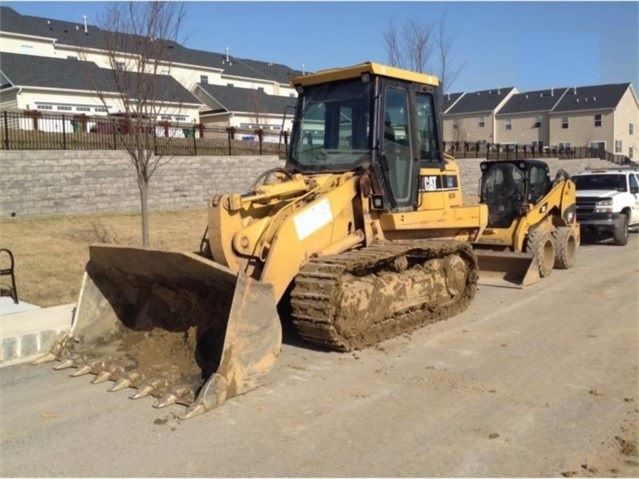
255, 101
423, 48
140, 42
448, 72
409, 46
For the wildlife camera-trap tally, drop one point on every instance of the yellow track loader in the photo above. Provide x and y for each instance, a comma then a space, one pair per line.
531, 220
362, 232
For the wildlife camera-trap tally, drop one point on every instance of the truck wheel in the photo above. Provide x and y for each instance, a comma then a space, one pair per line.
541, 244
566, 247
621, 232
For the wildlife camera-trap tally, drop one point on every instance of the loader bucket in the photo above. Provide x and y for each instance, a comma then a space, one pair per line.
173, 325
507, 268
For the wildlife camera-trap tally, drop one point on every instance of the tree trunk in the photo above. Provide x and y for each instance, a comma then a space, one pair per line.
143, 186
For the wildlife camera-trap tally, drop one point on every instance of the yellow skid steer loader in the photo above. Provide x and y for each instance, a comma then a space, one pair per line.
532, 222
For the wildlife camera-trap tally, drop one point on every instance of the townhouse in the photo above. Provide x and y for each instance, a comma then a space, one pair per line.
470, 117
82, 51
52, 65
602, 117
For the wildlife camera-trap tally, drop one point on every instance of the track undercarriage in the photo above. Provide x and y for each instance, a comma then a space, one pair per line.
357, 299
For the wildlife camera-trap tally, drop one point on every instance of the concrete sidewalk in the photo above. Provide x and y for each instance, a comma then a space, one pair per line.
27, 331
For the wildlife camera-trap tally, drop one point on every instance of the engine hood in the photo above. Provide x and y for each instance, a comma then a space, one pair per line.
597, 193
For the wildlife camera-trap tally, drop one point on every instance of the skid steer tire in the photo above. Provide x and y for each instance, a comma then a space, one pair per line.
541, 244
565, 247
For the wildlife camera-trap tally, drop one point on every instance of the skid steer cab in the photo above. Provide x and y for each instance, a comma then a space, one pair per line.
531, 219
362, 235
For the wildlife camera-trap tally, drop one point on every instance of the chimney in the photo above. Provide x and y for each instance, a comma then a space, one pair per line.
227, 54
574, 91
86, 29
552, 92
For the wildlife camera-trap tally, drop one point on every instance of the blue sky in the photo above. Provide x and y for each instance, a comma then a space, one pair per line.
530, 45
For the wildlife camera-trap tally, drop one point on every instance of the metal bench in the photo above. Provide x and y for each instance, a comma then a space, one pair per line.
10, 272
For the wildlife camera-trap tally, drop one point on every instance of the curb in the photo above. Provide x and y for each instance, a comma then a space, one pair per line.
29, 334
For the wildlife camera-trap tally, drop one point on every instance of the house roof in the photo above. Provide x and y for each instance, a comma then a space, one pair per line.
480, 101
595, 97
47, 72
233, 98
73, 33
532, 101
449, 100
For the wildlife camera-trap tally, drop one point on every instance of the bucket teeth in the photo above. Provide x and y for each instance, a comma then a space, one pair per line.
167, 400
67, 363
175, 394
143, 391
192, 411
126, 381
120, 384
102, 377
45, 359
81, 371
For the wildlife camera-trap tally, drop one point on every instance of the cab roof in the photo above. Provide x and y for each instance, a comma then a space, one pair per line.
355, 71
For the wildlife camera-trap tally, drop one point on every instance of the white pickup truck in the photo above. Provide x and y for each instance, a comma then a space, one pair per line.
608, 201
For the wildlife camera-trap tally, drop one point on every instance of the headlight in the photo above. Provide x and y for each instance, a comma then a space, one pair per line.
604, 206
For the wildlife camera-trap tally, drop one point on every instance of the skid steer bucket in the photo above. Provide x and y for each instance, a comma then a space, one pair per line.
507, 268
173, 325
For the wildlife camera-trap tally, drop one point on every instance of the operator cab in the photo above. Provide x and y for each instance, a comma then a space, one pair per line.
508, 187
369, 116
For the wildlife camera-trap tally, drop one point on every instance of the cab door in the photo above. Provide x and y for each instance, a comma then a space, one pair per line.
396, 145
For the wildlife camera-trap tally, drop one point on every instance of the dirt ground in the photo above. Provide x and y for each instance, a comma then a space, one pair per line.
539, 382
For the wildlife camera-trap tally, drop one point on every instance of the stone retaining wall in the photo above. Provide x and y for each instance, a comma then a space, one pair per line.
51, 182
48, 182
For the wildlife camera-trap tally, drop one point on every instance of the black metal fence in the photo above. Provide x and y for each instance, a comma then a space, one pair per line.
466, 149
35, 130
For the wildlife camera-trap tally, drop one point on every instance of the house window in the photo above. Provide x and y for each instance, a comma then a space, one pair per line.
631, 128
455, 125
119, 66
564, 144
204, 79
64, 108
509, 124
630, 152
480, 122
100, 109
180, 117
537, 123
44, 107
229, 84
82, 108
165, 71
597, 120
165, 117
564, 123
618, 146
